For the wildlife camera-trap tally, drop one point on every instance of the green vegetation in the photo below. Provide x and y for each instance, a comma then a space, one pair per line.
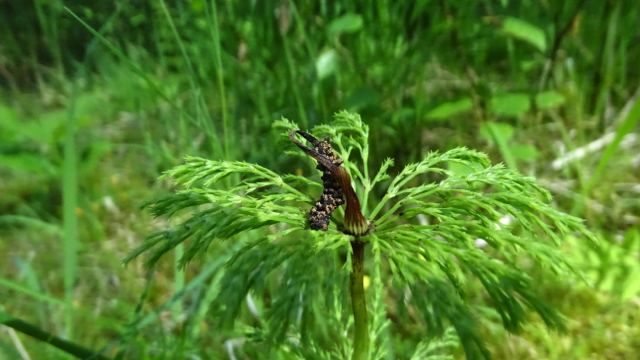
98, 100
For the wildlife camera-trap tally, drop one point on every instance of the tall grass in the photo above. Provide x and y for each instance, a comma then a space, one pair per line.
71, 240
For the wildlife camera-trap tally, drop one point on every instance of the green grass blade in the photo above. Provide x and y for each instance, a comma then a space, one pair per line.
108, 323
39, 334
212, 21
135, 67
70, 220
625, 128
200, 105
509, 160
178, 282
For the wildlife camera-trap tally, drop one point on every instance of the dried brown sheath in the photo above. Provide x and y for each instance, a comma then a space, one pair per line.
337, 182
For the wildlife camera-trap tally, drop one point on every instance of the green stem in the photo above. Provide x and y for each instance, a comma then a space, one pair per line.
37, 333
358, 303
378, 207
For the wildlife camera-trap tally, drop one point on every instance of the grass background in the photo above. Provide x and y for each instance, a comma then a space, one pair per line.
97, 100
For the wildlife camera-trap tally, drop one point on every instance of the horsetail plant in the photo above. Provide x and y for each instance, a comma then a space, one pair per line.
421, 236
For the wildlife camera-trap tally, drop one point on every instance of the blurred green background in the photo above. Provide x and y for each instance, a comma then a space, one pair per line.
96, 100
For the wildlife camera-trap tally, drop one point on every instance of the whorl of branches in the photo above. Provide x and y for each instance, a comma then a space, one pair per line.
433, 261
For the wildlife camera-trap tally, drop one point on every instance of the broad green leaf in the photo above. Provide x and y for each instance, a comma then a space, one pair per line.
631, 242
632, 286
33, 163
510, 104
524, 152
449, 109
549, 99
502, 130
347, 23
361, 97
327, 63
197, 6
531, 64
140, 18
10, 123
524, 31
500, 134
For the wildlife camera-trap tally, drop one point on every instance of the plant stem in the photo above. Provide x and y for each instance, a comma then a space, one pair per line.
358, 303
37, 333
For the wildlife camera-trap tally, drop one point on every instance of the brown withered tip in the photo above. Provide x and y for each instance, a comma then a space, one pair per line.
337, 185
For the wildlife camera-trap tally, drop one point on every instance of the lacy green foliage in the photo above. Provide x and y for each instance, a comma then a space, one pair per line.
438, 348
304, 292
433, 258
332, 322
461, 209
228, 212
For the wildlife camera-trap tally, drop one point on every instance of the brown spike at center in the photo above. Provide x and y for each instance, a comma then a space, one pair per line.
337, 182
